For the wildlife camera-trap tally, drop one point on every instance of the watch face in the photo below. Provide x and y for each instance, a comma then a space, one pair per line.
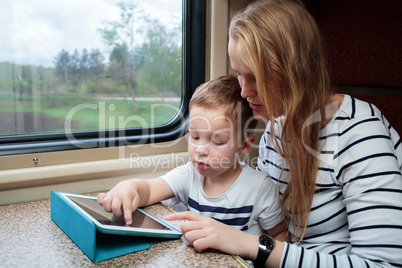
267, 241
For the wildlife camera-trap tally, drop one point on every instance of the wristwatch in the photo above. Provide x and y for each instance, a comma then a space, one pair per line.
265, 246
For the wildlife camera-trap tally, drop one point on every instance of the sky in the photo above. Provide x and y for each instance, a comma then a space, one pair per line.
34, 32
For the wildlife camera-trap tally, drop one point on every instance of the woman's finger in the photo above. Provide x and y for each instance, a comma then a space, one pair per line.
202, 244
188, 215
202, 234
191, 225
193, 236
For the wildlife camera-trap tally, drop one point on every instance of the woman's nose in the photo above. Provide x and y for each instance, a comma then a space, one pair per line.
247, 89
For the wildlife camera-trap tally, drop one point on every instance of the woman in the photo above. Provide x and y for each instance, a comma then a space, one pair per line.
336, 161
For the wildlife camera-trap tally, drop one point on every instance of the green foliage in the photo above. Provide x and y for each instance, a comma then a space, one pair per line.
144, 59
91, 113
162, 65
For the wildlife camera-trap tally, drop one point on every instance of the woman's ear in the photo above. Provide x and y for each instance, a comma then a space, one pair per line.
248, 144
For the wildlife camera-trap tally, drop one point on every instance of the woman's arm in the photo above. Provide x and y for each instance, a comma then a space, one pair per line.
203, 233
279, 232
366, 167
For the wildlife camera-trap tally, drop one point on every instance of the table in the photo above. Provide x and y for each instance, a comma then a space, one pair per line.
29, 238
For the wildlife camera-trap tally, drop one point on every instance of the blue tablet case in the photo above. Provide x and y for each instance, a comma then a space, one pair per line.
82, 231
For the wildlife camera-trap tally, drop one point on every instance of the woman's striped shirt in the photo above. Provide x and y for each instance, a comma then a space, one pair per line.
356, 215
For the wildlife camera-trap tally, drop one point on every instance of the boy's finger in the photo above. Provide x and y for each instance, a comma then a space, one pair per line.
128, 216
100, 198
116, 207
129, 206
106, 202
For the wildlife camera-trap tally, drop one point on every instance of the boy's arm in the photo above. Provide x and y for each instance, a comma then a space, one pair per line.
279, 232
128, 195
159, 190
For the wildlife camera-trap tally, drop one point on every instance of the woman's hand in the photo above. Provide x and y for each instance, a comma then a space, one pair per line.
204, 233
123, 199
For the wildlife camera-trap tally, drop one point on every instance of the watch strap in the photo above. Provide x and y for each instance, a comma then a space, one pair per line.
262, 257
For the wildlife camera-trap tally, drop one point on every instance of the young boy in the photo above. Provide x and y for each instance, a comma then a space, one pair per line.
214, 183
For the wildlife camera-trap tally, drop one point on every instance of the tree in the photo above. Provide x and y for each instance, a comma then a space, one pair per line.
161, 70
63, 63
145, 54
95, 63
74, 70
120, 38
83, 66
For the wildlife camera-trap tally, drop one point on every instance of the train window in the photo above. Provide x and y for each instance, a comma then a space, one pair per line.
87, 74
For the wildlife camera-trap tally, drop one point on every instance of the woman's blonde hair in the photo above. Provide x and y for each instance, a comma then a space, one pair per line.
280, 42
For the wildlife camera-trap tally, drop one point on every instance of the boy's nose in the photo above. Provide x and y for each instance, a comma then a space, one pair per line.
202, 149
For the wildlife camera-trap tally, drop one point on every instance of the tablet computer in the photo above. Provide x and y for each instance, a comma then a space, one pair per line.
144, 224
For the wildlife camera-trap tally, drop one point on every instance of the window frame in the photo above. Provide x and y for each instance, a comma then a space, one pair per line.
193, 74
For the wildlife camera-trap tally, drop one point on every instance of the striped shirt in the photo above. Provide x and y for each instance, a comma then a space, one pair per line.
356, 215
251, 204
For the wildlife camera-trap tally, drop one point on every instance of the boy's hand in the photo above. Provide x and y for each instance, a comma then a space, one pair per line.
123, 199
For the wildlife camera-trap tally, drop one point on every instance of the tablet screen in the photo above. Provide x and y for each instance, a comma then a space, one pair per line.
143, 224
140, 220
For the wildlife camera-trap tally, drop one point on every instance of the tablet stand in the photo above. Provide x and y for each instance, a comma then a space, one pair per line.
83, 233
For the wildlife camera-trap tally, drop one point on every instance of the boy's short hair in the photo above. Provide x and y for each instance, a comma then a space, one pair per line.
224, 92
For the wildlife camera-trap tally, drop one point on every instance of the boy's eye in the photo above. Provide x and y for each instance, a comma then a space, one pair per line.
194, 137
217, 143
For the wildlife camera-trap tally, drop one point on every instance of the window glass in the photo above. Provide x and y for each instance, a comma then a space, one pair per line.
71, 66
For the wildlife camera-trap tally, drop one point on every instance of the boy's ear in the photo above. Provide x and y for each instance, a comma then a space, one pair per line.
248, 144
